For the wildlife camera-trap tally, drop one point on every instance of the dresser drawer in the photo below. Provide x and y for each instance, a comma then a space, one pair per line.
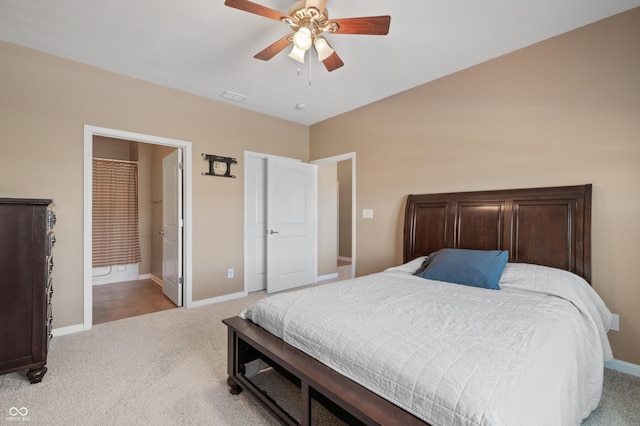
49, 290
49, 328
49, 266
49, 317
51, 242
51, 219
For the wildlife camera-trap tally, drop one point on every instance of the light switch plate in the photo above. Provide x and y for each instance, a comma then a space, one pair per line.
367, 213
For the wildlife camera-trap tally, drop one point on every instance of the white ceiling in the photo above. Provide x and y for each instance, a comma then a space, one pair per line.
205, 48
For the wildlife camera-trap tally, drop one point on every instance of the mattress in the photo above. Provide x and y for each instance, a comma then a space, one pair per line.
531, 353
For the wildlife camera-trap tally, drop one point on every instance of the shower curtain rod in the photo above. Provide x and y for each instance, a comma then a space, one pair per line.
115, 161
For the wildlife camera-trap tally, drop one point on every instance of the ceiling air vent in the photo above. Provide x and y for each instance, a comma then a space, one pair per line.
233, 96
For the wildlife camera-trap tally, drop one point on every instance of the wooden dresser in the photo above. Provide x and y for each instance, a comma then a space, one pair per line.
26, 265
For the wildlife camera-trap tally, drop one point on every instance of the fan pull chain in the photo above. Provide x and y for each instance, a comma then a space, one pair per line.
309, 67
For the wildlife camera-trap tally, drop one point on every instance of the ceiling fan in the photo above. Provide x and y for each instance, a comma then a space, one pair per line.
309, 19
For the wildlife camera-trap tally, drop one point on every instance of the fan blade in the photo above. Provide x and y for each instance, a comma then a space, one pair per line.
371, 25
333, 62
251, 7
318, 4
275, 48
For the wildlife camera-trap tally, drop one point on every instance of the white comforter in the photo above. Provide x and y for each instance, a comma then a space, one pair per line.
529, 354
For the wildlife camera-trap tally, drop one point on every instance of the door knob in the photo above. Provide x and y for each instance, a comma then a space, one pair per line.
161, 232
271, 231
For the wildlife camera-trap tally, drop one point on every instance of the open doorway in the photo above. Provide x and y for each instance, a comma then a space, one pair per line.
346, 209
336, 217
151, 150
128, 226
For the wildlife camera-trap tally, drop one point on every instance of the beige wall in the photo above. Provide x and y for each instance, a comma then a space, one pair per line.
142, 152
45, 101
115, 149
327, 219
565, 111
345, 215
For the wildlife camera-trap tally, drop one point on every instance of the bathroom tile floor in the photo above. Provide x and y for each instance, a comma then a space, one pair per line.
127, 299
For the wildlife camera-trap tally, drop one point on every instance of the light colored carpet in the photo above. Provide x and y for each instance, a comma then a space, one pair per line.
169, 368
620, 402
165, 368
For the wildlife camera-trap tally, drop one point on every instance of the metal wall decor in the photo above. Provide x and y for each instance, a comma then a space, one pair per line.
219, 166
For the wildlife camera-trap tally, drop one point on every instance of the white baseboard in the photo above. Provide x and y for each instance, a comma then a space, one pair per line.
327, 277
61, 331
623, 366
346, 259
155, 279
218, 299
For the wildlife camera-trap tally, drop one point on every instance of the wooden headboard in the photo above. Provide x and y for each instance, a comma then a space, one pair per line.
544, 226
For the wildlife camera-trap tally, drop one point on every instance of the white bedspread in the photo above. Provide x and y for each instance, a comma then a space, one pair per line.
529, 354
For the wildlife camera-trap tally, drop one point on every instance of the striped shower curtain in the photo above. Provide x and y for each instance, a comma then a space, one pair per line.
116, 239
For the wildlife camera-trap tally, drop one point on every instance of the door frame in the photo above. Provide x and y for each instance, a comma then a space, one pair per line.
187, 258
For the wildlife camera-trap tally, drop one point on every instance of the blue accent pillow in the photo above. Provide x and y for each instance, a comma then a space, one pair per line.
477, 268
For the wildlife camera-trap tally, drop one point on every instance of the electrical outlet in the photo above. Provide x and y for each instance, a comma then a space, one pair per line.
230, 273
367, 213
615, 322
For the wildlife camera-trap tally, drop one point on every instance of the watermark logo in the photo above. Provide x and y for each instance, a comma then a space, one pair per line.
18, 414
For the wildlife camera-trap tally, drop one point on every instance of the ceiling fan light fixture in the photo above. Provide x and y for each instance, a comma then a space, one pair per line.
308, 20
323, 49
297, 54
302, 38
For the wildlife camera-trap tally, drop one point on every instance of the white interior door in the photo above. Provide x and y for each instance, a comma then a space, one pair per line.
256, 222
172, 226
291, 224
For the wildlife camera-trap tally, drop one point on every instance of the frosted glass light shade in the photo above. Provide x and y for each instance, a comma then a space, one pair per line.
297, 54
323, 49
302, 39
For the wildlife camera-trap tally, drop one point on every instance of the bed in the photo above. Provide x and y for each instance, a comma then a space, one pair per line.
401, 349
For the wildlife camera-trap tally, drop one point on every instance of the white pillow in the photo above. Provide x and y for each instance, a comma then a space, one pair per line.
410, 267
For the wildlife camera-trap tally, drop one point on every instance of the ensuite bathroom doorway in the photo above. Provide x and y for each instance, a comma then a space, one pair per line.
127, 221
127, 280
